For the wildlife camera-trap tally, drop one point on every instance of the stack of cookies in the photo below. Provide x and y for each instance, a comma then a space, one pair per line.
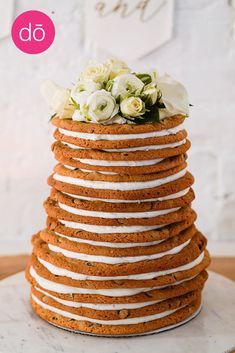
120, 254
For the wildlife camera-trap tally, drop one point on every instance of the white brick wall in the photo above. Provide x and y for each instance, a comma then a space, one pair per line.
201, 54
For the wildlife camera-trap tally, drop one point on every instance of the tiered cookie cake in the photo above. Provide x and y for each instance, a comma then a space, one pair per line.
120, 254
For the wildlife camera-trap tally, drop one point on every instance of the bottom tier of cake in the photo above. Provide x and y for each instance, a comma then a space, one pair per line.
128, 308
167, 314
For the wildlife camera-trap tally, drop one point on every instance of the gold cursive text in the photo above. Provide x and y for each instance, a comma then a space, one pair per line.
146, 8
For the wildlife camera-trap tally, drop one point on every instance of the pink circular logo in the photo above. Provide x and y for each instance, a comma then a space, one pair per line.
33, 32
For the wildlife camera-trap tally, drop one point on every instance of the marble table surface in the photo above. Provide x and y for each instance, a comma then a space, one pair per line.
213, 331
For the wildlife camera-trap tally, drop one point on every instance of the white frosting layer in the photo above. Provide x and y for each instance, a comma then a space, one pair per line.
104, 163
116, 260
92, 171
113, 292
58, 271
109, 229
115, 215
97, 306
133, 149
109, 244
112, 137
122, 186
163, 198
127, 321
88, 171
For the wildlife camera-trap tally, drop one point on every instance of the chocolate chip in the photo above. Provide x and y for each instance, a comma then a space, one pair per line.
123, 313
89, 264
45, 299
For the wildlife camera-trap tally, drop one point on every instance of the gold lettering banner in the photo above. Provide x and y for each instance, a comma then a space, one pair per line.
129, 29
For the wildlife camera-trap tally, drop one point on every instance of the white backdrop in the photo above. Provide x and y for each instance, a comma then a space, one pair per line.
201, 54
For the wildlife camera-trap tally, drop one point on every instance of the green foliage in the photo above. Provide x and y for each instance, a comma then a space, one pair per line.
145, 78
151, 116
53, 116
76, 105
109, 85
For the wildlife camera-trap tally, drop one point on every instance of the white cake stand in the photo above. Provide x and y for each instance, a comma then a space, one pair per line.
213, 331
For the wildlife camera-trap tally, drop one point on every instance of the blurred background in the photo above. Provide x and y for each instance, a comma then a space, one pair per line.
198, 49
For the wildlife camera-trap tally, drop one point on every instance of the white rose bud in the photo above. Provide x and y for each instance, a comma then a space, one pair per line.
174, 97
87, 86
117, 68
132, 107
126, 83
151, 93
96, 72
58, 99
100, 106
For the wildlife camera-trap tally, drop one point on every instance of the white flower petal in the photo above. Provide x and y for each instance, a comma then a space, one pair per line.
77, 116
96, 72
88, 86
101, 106
117, 68
58, 99
174, 97
126, 83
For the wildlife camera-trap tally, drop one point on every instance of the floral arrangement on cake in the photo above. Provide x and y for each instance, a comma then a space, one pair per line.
109, 92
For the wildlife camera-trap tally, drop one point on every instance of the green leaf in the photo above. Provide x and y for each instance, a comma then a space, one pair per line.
109, 86
76, 105
159, 95
145, 78
161, 105
147, 100
119, 98
151, 116
53, 116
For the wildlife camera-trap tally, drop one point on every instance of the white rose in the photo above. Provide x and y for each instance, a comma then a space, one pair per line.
117, 68
100, 106
58, 99
132, 107
126, 83
150, 92
87, 86
96, 72
174, 97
